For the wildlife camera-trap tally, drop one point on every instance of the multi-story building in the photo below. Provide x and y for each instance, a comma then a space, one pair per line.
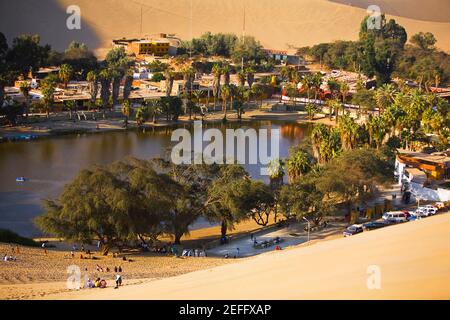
158, 47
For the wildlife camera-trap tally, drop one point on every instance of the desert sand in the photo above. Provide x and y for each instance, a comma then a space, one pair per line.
277, 24
413, 260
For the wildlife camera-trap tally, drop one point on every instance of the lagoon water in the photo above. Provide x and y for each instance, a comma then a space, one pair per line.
50, 163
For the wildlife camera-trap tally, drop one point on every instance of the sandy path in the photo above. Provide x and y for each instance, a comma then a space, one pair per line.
413, 258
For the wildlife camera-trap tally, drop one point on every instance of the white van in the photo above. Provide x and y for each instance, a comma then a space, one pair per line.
395, 216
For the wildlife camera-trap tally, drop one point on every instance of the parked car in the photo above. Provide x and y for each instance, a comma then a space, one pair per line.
439, 205
425, 212
372, 225
396, 216
433, 209
352, 230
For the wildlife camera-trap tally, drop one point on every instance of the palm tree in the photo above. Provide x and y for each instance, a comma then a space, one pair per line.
331, 146
307, 83
287, 73
276, 173
384, 97
292, 92
169, 75
93, 86
188, 77
71, 105
298, 164
240, 95
344, 89
377, 130
198, 94
335, 88
128, 84
65, 74
126, 111
333, 105
241, 78
217, 71
105, 93
250, 76
317, 83
348, 129
319, 134
225, 93
153, 108
311, 109
48, 86
226, 73
25, 90
141, 115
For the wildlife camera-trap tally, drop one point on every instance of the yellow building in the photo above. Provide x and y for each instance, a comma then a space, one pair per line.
152, 47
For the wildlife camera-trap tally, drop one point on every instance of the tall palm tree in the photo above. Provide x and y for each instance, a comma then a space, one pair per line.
307, 83
250, 76
65, 74
25, 90
188, 77
128, 84
105, 93
226, 73
48, 86
169, 75
384, 97
377, 128
292, 93
225, 94
333, 106
141, 115
276, 173
287, 73
217, 72
154, 108
319, 134
298, 164
92, 78
331, 146
126, 111
198, 94
344, 89
348, 129
317, 83
241, 78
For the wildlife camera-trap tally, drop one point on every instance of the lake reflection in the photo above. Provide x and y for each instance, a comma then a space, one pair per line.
51, 163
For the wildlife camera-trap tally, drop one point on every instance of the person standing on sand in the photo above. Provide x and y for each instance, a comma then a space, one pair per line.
118, 281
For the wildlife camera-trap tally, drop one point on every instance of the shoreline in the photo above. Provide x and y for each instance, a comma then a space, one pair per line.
57, 127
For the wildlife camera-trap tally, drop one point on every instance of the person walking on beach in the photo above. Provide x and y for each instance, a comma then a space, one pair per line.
118, 281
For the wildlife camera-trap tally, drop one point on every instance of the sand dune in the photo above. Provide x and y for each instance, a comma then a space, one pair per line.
413, 258
278, 24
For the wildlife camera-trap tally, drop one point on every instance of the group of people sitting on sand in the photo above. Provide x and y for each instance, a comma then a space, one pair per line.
7, 258
98, 283
12, 257
101, 283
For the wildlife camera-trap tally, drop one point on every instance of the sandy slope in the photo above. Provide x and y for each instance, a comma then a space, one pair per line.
414, 260
278, 24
